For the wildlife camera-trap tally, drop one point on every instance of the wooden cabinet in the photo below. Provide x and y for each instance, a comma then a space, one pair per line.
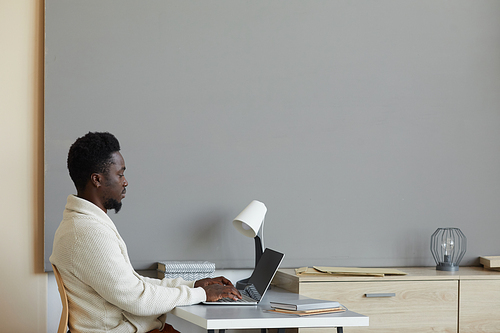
411, 309
425, 300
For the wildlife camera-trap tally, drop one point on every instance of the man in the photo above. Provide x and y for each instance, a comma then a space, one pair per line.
105, 293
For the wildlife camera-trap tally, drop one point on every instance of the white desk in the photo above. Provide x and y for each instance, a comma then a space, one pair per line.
221, 317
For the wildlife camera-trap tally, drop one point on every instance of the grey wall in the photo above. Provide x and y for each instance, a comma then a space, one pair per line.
362, 125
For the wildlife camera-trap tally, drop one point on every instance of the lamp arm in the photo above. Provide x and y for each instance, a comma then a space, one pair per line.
259, 244
258, 249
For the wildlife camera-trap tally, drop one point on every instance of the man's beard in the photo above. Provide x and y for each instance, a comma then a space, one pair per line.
113, 204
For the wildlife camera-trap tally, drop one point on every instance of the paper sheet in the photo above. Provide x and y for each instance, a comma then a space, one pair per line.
354, 271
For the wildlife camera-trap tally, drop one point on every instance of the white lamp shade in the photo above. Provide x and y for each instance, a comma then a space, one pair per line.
248, 222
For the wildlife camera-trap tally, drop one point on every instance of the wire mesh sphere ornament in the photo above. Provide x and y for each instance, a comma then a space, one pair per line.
448, 246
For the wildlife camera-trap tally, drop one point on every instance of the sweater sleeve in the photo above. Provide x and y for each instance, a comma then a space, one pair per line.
99, 262
169, 282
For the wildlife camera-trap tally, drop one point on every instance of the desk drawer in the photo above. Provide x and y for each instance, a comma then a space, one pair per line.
480, 306
394, 306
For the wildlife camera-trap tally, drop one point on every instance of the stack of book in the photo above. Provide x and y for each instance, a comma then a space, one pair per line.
307, 307
188, 270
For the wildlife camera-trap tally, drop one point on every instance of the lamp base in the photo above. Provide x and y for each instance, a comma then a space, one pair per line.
447, 266
241, 284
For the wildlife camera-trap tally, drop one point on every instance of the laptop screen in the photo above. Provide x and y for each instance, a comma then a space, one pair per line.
266, 268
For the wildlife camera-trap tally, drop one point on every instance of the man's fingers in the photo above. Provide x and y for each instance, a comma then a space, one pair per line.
235, 294
227, 282
222, 280
218, 291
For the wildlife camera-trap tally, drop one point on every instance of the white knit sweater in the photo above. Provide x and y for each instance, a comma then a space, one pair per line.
105, 293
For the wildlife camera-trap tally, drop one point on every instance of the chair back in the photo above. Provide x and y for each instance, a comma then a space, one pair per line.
63, 323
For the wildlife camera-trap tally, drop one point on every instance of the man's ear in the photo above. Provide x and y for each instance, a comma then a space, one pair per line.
96, 180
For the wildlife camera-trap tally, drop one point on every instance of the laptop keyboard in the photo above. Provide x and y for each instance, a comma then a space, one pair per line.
245, 299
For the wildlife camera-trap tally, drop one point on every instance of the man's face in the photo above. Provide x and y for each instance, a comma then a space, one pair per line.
114, 183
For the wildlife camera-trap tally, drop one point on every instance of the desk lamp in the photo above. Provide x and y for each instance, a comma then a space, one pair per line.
250, 222
448, 246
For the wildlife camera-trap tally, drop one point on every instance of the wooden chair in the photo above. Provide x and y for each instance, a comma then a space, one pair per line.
63, 323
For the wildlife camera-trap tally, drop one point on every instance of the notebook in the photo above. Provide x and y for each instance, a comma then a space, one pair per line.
259, 280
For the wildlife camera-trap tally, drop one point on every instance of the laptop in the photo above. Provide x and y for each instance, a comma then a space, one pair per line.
259, 281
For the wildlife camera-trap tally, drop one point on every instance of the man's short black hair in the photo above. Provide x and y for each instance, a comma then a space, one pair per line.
91, 154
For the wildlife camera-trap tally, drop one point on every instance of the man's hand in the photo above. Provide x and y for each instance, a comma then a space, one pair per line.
218, 288
208, 281
217, 291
